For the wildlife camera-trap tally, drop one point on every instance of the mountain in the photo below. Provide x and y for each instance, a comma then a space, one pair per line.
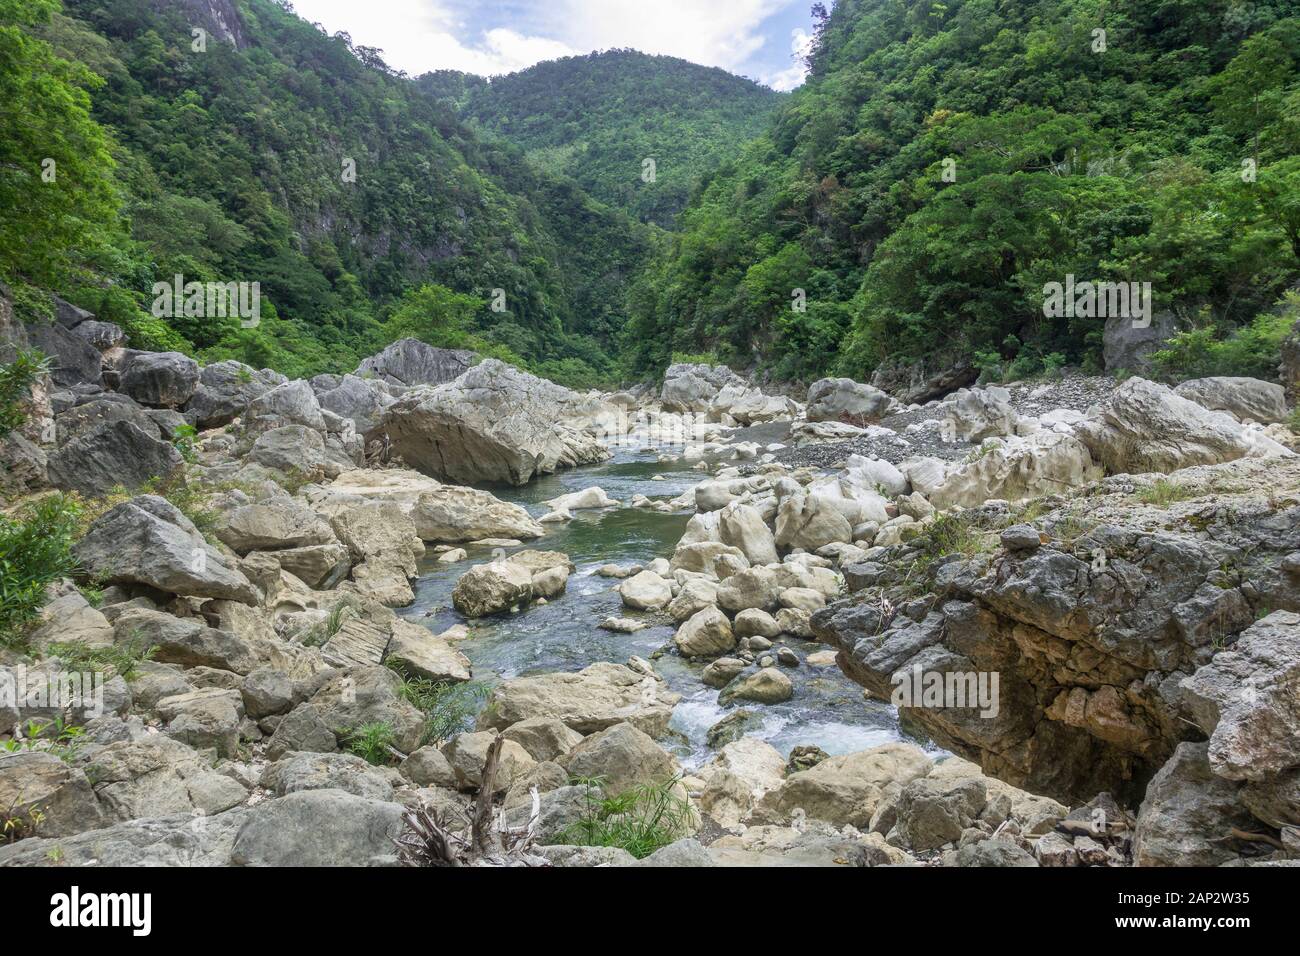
945, 162
598, 118
265, 151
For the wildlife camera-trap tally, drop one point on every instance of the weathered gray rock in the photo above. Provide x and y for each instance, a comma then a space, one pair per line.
160, 777
767, 685
289, 403
296, 772
175, 841
188, 642
112, 455
492, 588
492, 424
742, 526
597, 697
1187, 813
1245, 699
545, 738
148, 541
453, 513
74, 361
845, 789
692, 388
706, 634
810, 522
61, 794
360, 400
412, 362
841, 399
622, 757
646, 591
467, 755
271, 525
1243, 398
161, 379
1146, 427
319, 828
87, 415
225, 390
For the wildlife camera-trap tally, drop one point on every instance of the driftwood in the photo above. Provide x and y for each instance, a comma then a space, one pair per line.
428, 839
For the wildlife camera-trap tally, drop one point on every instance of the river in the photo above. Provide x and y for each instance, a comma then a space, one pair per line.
827, 709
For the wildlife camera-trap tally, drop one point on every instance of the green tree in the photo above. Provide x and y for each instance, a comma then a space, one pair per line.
56, 188
433, 314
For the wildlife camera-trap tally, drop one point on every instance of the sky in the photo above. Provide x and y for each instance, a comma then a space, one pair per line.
753, 38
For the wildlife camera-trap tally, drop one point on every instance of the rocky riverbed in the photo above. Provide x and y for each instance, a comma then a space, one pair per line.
352, 599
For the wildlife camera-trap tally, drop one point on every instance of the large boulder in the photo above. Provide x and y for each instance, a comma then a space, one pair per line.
1146, 427
363, 401
73, 360
40, 786
225, 390
319, 828
492, 588
622, 757
706, 634
1243, 398
453, 513
412, 362
693, 388
974, 414
810, 522
599, 696
160, 379
157, 776
840, 399
384, 546
112, 455
1129, 347
742, 526
89, 414
272, 525
148, 541
646, 591
289, 403
1187, 812
493, 424
845, 789
1245, 699
1010, 468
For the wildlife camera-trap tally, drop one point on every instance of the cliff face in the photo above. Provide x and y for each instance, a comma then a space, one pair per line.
1095, 629
219, 17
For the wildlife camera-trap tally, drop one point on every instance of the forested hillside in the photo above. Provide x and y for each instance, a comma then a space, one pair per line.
1107, 140
598, 118
233, 162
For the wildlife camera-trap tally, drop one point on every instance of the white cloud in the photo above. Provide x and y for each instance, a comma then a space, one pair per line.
711, 32
421, 35
801, 42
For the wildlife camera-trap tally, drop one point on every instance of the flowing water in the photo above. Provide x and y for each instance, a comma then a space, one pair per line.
827, 710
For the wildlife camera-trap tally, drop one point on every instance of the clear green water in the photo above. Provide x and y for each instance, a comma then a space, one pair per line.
827, 709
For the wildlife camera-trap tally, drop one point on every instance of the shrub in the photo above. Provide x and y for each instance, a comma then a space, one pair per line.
372, 743
640, 820
1252, 351
35, 550
448, 707
16, 381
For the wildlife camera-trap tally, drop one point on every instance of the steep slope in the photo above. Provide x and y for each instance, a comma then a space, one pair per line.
598, 118
266, 151
945, 161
